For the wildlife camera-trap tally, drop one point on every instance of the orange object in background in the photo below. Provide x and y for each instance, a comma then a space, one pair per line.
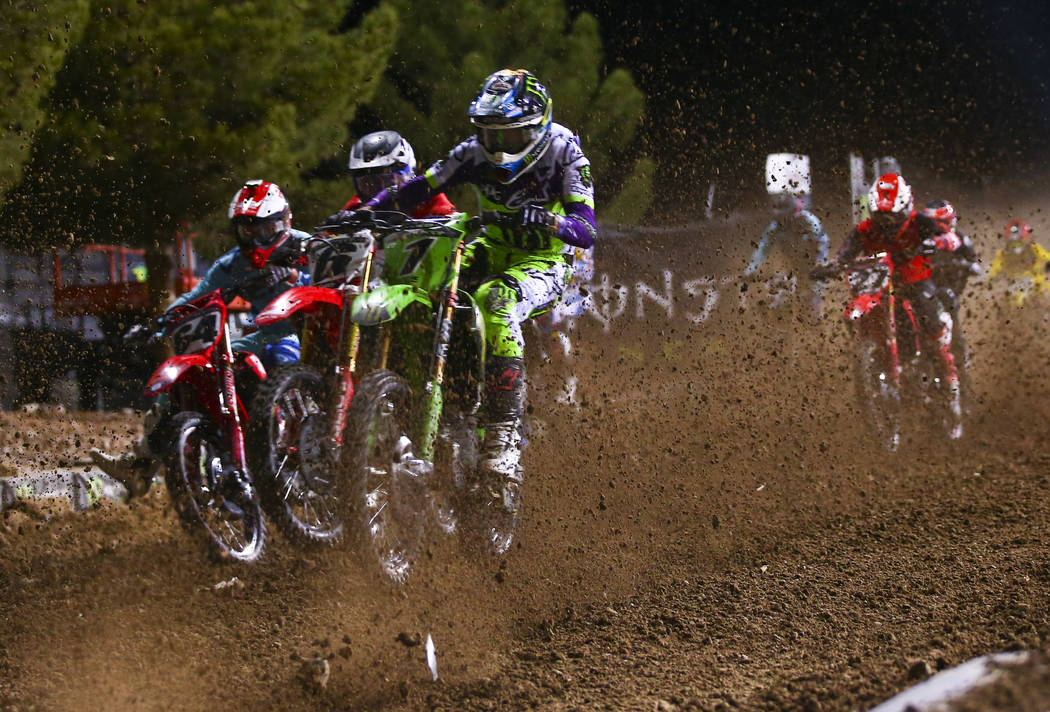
118, 282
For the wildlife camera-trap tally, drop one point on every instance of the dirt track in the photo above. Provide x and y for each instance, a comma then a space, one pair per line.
708, 532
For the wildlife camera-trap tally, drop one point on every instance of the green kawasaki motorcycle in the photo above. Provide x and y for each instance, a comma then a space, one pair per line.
411, 447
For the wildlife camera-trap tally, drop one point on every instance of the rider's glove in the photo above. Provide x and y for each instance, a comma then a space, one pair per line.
139, 331
148, 331
280, 274
267, 278
536, 226
350, 218
946, 242
337, 218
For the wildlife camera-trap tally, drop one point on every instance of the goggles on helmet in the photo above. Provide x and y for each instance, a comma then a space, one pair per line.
1018, 231
369, 186
252, 233
509, 140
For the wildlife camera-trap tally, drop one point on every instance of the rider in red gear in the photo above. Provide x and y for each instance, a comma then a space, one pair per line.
908, 237
383, 159
951, 272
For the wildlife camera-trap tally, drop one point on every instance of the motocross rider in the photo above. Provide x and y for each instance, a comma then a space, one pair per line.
951, 275
793, 226
896, 228
533, 173
383, 159
1023, 261
261, 221
951, 272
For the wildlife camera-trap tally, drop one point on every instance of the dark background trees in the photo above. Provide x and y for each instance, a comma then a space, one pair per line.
124, 119
161, 110
958, 87
152, 114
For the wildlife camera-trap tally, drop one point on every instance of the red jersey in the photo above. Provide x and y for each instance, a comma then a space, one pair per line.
865, 238
439, 205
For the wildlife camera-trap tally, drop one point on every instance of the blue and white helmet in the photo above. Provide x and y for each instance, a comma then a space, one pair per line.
512, 120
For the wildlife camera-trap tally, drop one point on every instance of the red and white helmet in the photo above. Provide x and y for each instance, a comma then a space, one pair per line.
942, 212
1017, 229
261, 218
890, 194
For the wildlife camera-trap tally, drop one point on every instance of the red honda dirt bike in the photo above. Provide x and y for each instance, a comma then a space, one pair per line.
299, 413
207, 472
893, 375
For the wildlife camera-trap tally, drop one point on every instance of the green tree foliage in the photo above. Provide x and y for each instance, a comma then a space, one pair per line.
164, 109
629, 206
442, 58
35, 37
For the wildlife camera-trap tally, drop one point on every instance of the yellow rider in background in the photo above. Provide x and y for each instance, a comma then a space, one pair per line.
1023, 262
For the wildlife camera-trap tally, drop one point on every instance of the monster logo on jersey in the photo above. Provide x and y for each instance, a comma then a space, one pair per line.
585, 176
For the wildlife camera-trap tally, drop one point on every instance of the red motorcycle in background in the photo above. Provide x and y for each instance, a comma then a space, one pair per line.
207, 471
893, 375
300, 412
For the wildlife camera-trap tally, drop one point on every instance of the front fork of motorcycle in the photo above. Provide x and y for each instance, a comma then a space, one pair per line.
228, 405
434, 405
346, 364
892, 345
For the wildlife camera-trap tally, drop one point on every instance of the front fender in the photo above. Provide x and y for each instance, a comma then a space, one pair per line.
862, 305
298, 299
254, 363
385, 302
172, 370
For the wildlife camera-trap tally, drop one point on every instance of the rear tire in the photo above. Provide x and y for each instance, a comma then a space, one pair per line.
291, 461
209, 502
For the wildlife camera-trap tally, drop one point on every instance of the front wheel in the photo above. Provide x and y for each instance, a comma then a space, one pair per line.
212, 497
388, 483
291, 460
878, 397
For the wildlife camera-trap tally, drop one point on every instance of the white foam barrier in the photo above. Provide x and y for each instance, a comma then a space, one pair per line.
937, 691
84, 487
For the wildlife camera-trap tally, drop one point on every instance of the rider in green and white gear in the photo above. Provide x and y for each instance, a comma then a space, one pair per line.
534, 175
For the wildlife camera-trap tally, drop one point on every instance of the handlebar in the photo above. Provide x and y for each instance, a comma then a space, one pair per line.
389, 221
335, 242
826, 272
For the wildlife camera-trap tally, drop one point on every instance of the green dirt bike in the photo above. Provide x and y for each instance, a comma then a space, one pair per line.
412, 441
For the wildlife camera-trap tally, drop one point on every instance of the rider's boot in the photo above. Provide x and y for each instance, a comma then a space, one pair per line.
961, 354
500, 461
137, 468
134, 471
951, 381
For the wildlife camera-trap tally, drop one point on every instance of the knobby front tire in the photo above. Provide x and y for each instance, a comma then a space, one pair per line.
231, 521
296, 477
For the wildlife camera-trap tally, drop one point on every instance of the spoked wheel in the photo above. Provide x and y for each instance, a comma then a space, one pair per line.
211, 496
293, 467
879, 398
388, 482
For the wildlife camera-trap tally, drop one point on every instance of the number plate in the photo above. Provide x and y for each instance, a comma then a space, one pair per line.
331, 267
868, 280
197, 332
